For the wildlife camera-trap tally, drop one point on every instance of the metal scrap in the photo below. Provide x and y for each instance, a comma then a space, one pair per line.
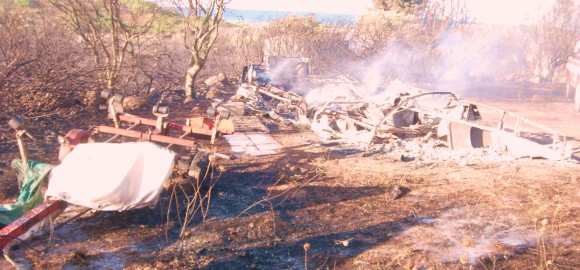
457, 122
266, 88
343, 112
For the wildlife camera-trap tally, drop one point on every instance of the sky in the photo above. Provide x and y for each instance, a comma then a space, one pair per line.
503, 12
316, 6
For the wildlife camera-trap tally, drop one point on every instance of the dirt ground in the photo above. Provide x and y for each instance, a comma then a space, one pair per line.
318, 205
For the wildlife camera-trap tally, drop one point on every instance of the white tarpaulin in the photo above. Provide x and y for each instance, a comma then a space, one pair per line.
112, 177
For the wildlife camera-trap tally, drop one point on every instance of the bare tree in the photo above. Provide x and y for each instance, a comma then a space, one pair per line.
437, 18
201, 21
551, 40
410, 31
111, 31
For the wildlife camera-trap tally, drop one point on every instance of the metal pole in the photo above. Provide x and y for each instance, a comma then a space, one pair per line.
23, 154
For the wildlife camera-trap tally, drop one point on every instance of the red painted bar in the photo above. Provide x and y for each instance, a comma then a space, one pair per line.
203, 126
29, 219
144, 136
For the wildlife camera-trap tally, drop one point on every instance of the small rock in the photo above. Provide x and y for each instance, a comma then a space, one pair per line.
396, 192
212, 93
467, 242
213, 80
132, 102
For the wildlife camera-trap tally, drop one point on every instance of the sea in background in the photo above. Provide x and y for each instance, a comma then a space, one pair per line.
261, 16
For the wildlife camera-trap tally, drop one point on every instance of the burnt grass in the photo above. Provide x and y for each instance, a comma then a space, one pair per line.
314, 206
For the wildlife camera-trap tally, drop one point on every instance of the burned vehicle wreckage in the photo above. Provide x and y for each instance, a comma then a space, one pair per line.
268, 88
344, 113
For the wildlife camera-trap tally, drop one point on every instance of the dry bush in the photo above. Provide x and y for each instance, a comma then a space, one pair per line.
404, 43
240, 45
436, 21
437, 17
112, 31
291, 36
236, 46
330, 50
433, 41
385, 44
157, 67
41, 64
157, 61
373, 33
324, 44
495, 54
548, 42
428, 40
397, 5
44, 65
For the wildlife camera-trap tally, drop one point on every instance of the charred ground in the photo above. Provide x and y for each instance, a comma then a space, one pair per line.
317, 205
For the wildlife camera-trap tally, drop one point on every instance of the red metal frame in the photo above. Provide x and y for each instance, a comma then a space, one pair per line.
29, 219
197, 126
204, 129
145, 136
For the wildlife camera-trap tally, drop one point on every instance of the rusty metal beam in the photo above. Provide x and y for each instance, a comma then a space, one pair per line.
29, 219
202, 130
137, 120
144, 136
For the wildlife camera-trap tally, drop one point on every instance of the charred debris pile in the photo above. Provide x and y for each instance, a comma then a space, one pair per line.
401, 120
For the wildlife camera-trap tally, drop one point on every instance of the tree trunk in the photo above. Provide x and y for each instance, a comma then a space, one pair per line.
551, 71
569, 90
190, 79
577, 96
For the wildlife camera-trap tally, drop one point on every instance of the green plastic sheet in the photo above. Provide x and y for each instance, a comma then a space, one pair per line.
30, 192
